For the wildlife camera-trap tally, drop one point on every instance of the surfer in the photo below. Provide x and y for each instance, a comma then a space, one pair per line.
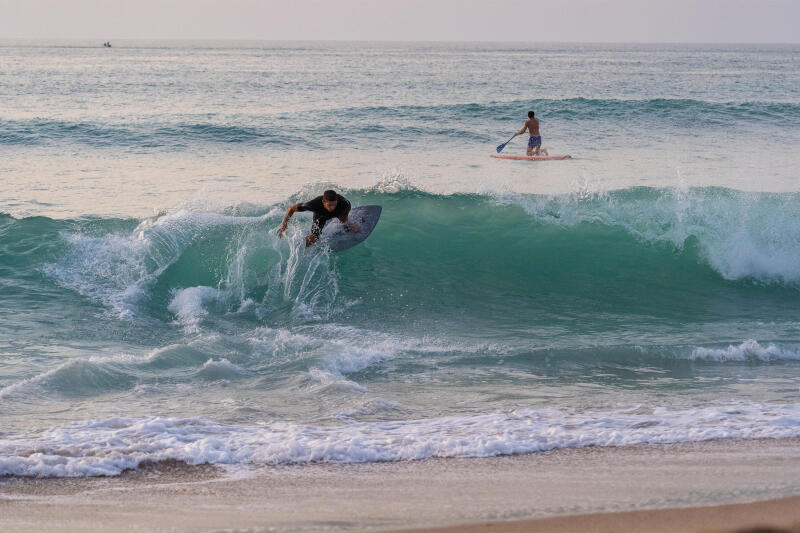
535, 140
325, 207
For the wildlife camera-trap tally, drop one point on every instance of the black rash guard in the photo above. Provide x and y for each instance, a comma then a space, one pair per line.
322, 215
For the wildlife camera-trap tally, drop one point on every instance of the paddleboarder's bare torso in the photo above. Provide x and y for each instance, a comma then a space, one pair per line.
535, 140
532, 125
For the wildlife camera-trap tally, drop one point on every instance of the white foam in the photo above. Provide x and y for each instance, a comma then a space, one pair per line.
347, 359
107, 447
110, 269
221, 369
352, 359
746, 351
277, 342
189, 305
393, 182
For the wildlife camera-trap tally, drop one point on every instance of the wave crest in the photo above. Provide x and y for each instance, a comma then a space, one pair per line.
749, 350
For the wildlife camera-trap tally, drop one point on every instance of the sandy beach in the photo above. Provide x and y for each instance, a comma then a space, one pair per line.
681, 487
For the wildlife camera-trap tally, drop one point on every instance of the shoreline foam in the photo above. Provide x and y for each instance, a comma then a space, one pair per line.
108, 447
414, 494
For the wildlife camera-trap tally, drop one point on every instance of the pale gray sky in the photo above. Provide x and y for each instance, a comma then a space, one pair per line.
771, 21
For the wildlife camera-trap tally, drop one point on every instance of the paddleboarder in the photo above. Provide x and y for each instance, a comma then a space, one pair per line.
535, 139
325, 207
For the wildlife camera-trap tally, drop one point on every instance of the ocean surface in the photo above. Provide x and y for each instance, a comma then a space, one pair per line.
646, 291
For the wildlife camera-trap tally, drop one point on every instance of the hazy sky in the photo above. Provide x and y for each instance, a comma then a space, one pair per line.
409, 20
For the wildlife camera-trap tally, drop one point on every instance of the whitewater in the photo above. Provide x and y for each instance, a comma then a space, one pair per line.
645, 292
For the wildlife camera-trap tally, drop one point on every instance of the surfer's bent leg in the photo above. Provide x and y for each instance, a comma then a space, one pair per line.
316, 230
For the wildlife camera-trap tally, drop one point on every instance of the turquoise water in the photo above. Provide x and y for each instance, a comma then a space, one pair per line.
646, 291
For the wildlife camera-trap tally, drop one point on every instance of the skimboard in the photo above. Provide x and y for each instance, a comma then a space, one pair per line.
533, 157
339, 237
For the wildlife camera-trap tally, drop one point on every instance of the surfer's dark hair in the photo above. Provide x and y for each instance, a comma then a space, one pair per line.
330, 195
531, 114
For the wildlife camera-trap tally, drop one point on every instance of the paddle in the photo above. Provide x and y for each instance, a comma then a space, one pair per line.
501, 146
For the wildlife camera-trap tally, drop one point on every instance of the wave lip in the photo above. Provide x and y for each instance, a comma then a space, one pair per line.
108, 447
97, 375
76, 377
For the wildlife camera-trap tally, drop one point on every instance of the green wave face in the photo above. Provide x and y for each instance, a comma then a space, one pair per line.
632, 262
637, 256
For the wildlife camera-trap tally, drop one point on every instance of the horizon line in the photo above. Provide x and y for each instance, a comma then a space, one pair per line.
420, 41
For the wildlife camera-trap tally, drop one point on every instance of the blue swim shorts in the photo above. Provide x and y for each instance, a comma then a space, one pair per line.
534, 142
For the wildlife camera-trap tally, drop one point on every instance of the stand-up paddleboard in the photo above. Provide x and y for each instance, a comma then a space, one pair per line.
339, 237
533, 157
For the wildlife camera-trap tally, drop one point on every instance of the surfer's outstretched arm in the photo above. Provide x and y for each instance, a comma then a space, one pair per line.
289, 212
520, 132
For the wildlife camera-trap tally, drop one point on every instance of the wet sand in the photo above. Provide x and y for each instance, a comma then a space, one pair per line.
771, 516
539, 492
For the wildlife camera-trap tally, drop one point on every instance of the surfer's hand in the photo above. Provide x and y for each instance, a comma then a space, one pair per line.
355, 228
281, 230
